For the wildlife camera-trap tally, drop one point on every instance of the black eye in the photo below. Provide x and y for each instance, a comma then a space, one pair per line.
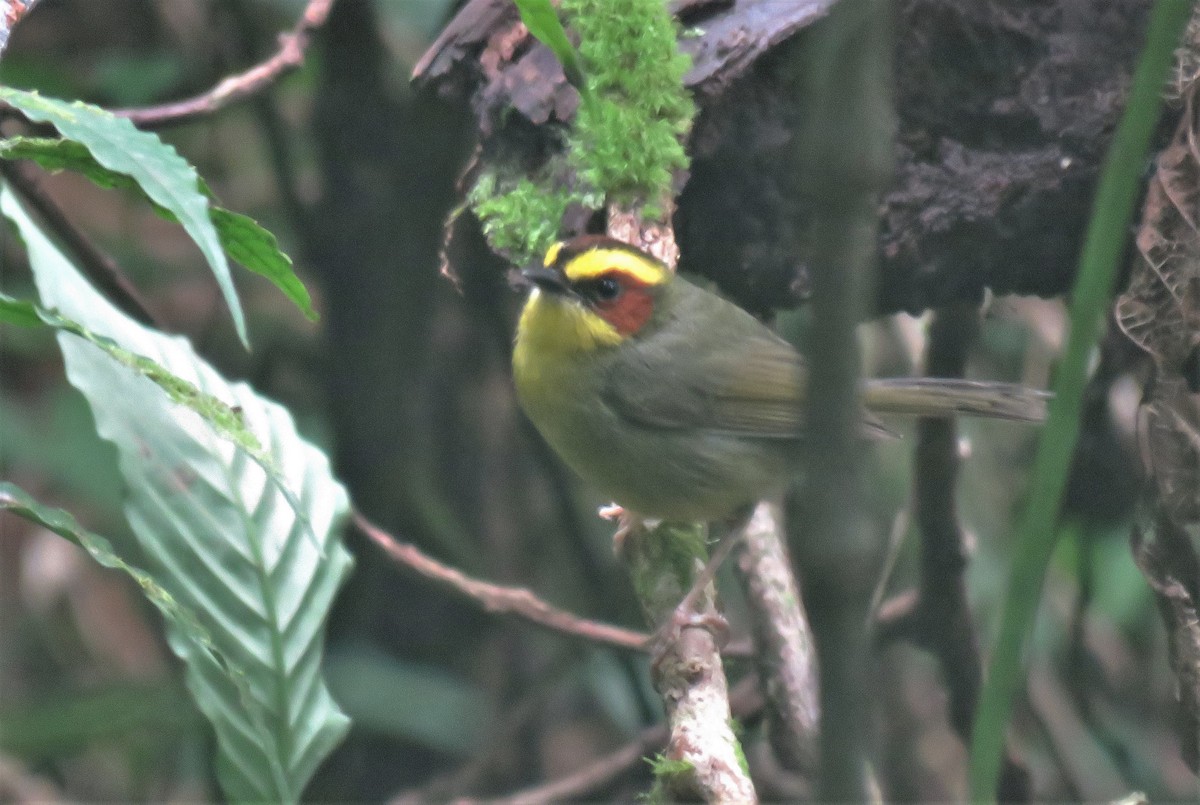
605, 289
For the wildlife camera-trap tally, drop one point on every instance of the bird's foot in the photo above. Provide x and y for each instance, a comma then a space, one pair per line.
628, 522
611, 512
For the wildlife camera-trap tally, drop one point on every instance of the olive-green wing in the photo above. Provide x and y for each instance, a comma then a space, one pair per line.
712, 367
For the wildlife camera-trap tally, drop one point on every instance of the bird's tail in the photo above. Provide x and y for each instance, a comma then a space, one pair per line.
935, 396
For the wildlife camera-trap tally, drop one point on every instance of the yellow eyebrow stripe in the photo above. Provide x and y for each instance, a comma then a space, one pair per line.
552, 254
595, 262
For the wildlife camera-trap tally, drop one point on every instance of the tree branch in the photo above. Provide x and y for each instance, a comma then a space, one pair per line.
496, 598
667, 565
785, 653
289, 57
937, 616
842, 158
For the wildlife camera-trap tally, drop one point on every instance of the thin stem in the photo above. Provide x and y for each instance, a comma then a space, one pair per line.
496, 598
237, 87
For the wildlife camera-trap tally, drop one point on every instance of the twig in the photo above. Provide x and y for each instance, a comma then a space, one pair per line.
744, 701
98, 266
275, 135
731, 536
496, 598
937, 616
289, 57
1085, 766
786, 656
602, 771
946, 628
900, 524
503, 734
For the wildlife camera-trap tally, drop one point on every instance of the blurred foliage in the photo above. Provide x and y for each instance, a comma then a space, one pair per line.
1091, 301
159, 171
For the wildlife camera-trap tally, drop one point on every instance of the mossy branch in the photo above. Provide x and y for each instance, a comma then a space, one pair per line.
625, 145
703, 758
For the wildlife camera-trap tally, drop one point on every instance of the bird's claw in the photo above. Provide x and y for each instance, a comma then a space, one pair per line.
628, 522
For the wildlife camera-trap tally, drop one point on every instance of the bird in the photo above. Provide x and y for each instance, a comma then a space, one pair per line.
673, 401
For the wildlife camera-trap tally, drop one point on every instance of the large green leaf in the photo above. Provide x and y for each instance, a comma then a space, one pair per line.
185, 622
57, 154
225, 420
217, 533
222, 417
252, 245
166, 177
242, 238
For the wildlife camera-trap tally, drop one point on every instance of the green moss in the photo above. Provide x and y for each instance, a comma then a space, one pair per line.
520, 221
674, 546
630, 56
627, 140
616, 149
669, 775
738, 731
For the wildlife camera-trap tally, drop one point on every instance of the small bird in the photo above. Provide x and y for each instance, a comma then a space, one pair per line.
672, 400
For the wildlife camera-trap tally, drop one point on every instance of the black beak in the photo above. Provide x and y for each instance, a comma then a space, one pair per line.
547, 279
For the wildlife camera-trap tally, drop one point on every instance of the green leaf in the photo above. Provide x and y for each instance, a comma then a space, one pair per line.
224, 419
242, 238
166, 178
542, 21
1039, 529
56, 154
250, 244
184, 621
218, 533
19, 312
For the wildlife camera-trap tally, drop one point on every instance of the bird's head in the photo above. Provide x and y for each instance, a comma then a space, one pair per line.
591, 292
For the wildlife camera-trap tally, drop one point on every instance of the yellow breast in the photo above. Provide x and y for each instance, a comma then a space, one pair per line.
554, 333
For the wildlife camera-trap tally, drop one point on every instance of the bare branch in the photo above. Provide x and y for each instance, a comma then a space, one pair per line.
602, 771
289, 57
786, 655
937, 616
843, 162
496, 598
